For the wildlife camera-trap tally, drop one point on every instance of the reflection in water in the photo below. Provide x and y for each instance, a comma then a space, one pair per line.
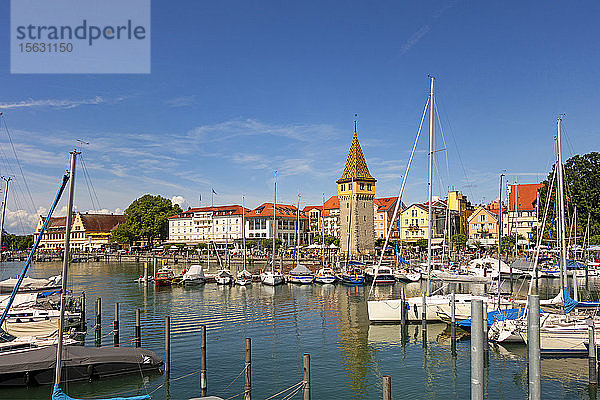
348, 355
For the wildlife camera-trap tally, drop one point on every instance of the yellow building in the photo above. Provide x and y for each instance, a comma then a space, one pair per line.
415, 222
88, 231
483, 226
458, 202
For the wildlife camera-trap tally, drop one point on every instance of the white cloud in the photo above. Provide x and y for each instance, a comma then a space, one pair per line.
53, 103
181, 201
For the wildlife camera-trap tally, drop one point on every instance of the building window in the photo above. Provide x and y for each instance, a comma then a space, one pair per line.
343, 187
369, 186
482, 218
362, 186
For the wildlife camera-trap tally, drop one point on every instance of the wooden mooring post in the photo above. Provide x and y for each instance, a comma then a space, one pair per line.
533, 347
453, 319
306, 374
403, 307
82, 321
477, 358
248, 376
387, 387
167, 345
592, 369
98, 329
203, 380
138, 328
116, 326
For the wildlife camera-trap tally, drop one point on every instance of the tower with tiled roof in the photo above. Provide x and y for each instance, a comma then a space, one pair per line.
356, 191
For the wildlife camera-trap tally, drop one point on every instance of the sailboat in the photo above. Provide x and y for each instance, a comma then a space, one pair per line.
390, 310
244, 277
325, 275
273, 277
299, 274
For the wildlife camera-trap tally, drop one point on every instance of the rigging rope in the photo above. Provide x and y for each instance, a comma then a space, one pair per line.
18, 162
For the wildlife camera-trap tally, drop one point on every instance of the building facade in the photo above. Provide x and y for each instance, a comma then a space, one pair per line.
522, 210
218, 224
260, 224
383, 216
356, 191
415, 222
88, 231
332, 216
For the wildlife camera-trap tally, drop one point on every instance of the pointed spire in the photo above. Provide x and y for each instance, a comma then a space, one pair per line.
356, 166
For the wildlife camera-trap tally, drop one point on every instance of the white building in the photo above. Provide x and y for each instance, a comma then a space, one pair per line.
259, 223
219, 224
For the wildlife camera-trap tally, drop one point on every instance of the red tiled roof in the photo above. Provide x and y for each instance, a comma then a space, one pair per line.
307, 209
333, 202
233, 209
526, 196
283, 211
385, 203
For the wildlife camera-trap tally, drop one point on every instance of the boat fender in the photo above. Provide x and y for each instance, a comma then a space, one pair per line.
90, 371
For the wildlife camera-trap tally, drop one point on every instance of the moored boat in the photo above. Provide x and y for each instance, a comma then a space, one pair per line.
164, 277
326, 275
301, 275
193, 276
224, 277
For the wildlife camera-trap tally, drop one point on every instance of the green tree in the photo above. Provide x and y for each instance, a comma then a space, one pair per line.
123, 234
422, 243
147, 219
268, 243
582, 190
508, 243
459, 239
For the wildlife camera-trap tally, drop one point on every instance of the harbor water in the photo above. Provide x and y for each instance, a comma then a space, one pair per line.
348, 355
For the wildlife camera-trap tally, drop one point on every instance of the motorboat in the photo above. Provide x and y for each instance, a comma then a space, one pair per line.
407, 275
224, 277
35, 366
164, 277
381, 276
244, 278
488, 267
301, 275
326, 275
193, 276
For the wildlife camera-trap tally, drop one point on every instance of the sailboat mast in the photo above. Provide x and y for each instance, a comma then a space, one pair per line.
561, 202
448, 223
499, 236
63, 292
350, 215
515, 223
297, 231
430, 187
244, 233
274, 222
323, 230
3, 212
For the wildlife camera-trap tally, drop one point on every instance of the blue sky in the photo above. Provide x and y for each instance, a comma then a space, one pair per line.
239, 89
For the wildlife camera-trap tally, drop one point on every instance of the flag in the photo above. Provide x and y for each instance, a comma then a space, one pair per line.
213, 190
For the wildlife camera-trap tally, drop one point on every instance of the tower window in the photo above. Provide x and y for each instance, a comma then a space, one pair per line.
362, 186
343, 188
369, 186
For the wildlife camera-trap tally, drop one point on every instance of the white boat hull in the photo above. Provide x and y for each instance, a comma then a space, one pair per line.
437, 308
271, 279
